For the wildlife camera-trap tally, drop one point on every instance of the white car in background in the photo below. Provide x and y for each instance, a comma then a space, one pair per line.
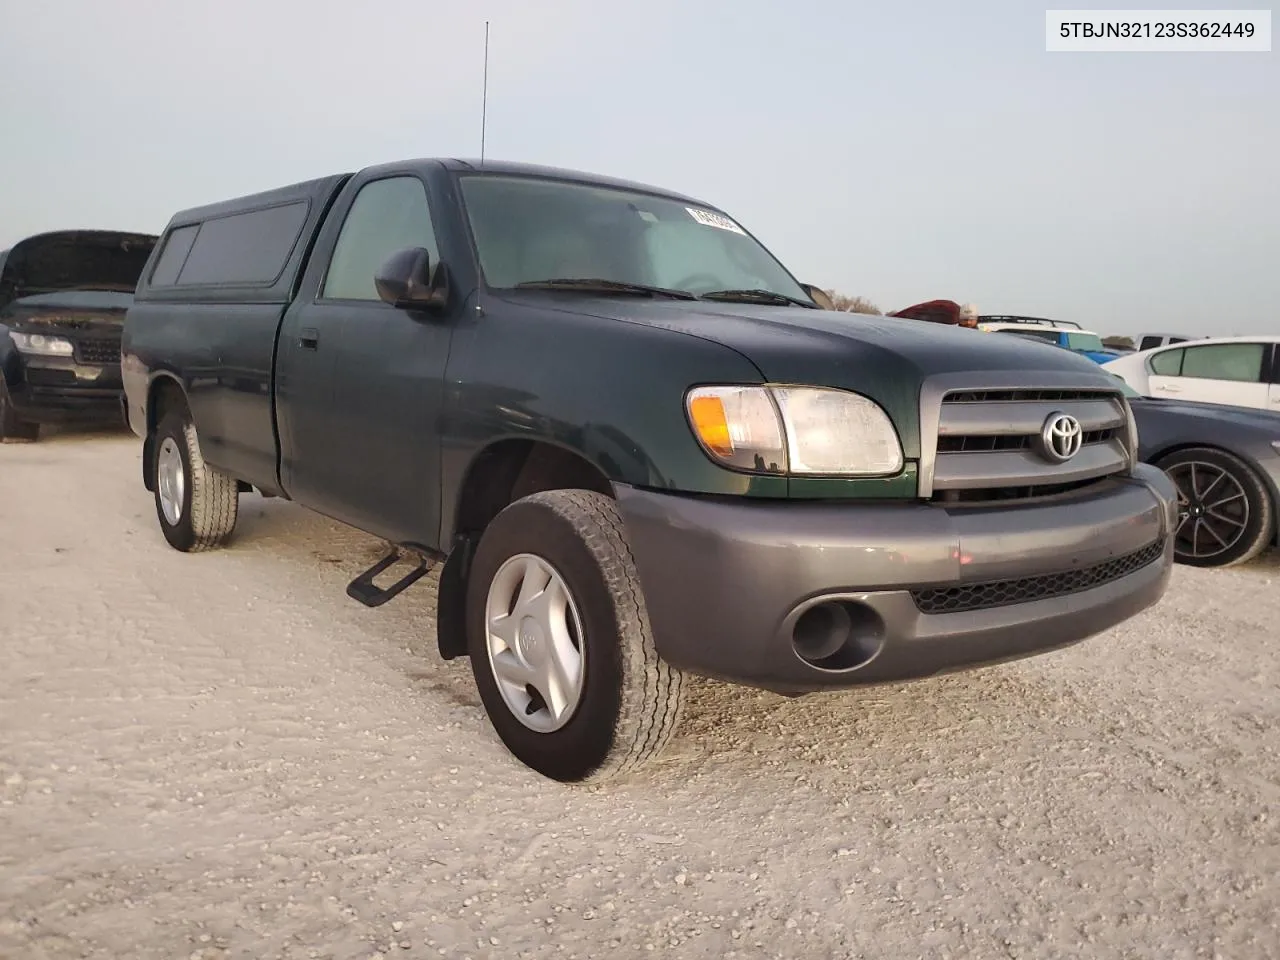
1239, 371
1061, 333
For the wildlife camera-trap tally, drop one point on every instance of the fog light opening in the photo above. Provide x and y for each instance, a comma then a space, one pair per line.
837, 635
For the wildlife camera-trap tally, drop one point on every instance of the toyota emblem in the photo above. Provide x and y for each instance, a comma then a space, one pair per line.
1061, 437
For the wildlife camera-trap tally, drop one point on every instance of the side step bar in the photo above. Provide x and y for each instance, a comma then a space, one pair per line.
363, 588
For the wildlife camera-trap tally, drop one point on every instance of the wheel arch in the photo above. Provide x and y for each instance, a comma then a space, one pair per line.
163, 393
1268, 482
499, 474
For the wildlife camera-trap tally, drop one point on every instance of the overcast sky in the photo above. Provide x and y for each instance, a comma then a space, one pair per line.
902, 151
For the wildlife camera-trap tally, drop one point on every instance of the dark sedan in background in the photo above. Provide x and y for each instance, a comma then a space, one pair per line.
63, 298
1225, 462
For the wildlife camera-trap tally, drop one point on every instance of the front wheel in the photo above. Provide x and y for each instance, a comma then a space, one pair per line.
560, 642
197, 505
1225, 514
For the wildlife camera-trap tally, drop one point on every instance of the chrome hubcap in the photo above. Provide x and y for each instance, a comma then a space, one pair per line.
1213, 511
171, 481
535, 643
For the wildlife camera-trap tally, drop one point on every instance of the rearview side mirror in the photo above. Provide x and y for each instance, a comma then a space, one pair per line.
818, 296
406, 280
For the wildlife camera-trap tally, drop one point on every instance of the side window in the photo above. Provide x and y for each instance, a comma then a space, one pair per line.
248, 248
1240, 362
1149, 342
173, 256
387, 215
1167, 364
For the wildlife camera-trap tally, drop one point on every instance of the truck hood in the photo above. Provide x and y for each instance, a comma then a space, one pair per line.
883, 358
106, 260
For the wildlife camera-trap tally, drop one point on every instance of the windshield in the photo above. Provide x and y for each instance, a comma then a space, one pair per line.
529, 229
1085, 341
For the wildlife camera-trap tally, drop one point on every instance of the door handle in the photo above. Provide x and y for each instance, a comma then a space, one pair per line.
308, 338
1168, 389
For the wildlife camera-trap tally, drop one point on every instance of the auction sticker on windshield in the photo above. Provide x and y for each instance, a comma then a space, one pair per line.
709, 219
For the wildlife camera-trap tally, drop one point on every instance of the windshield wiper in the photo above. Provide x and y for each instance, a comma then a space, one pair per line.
756, 296
597, 284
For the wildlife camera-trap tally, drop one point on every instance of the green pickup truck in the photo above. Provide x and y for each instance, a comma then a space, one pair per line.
636, 443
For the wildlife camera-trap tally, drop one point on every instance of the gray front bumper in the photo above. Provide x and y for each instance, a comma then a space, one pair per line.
725, 579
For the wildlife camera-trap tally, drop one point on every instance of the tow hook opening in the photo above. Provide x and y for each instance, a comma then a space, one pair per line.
838, 635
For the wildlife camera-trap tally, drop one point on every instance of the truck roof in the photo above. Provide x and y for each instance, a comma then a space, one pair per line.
256, 245
512, 168
325, 186
303, 189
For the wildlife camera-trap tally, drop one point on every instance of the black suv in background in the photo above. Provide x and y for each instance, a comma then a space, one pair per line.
63, 298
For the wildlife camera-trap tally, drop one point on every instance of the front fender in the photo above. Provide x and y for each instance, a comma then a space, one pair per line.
609, 391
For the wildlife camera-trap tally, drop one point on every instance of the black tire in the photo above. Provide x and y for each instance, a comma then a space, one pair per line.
13, 430
210, 498
1245, 522
631, 701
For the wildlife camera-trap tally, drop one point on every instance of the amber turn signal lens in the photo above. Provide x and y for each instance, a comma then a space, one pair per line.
709, 420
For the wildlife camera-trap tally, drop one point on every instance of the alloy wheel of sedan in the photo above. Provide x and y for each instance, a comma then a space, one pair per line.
1213, 510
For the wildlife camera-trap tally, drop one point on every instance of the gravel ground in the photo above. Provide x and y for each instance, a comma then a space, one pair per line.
221, 755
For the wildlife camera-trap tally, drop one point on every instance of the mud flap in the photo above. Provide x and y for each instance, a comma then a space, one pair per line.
451, 600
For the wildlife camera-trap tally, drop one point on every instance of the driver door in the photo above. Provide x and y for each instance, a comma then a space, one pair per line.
362, 382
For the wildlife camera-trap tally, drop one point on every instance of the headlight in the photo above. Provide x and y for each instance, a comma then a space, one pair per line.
40, 345
798, 430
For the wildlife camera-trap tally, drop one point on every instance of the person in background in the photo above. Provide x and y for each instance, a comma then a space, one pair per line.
969, 315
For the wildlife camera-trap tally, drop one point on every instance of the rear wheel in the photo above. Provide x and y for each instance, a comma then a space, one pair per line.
197, 505
13, 430
560, 643
1225, 513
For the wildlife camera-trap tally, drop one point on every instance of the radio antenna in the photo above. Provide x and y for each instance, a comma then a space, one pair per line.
484, 96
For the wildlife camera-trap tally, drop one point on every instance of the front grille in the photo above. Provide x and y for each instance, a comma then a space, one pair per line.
981, 442
989, 444
1017, 396
992, 495
100, 350
1004, 593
